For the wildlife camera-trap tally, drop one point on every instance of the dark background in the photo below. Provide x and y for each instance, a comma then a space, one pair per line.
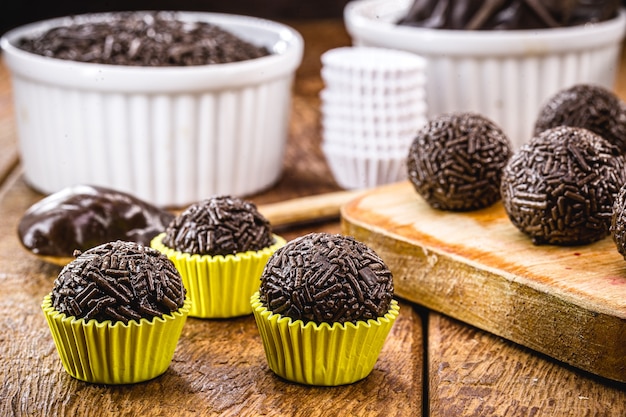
16, 12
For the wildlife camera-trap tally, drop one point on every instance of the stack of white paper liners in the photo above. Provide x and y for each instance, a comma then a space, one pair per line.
373, 104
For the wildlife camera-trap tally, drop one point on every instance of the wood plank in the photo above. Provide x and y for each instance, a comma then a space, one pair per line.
483, 375
566, 302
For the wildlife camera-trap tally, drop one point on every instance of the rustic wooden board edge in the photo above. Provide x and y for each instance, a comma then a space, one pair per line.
592, 341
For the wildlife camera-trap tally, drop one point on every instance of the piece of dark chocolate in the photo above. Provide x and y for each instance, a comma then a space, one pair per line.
220, 225
455, 162
507, 14
590, 106
561, 186
84, 216
326, 278
118, 281
143, 39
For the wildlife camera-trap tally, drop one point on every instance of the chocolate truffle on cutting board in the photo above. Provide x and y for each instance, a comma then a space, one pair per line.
326, 278
560, 187
592, 107
455, 162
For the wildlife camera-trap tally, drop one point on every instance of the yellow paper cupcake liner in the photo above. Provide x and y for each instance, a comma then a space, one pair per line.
115, 353
220, 286
324, 354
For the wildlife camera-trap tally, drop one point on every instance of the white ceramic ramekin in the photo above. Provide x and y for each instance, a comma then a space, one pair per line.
504, 75
169, 135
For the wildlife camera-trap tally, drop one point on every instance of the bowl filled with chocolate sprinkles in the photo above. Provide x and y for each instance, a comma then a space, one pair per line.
170, 106
501, 59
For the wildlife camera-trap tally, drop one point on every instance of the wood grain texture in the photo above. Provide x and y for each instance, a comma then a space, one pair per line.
482, 375
566, 302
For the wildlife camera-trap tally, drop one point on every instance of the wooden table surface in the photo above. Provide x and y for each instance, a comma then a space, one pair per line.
431, 365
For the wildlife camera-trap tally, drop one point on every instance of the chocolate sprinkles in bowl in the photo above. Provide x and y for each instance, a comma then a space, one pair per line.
150, 39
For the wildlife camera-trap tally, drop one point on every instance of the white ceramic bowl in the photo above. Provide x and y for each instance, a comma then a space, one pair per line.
504, 75
169, 135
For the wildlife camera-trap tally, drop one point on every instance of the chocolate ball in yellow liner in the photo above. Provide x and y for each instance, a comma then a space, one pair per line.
220, 246
116, 313
324, 310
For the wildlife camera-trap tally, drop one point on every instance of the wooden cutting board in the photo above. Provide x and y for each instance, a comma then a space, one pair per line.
566, 302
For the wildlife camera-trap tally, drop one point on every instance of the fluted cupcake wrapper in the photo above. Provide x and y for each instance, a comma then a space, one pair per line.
220, 286
113, 352
324, 354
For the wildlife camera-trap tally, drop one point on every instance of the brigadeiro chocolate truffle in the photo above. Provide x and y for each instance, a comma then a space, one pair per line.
326, 278
116, 313
324, 309
560, 187
618, 222
220, 225
455, 162
589, 106
118, 281
220, 246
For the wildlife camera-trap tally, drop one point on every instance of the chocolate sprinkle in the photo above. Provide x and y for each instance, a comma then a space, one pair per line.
592, 107
560, 187
143, 39
220, 225
456, 160
118, 281
326, 279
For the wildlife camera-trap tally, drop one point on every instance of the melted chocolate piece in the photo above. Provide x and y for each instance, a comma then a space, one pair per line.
143, 39
220, 225
561, 186
84, 216
326, 279
592, 107
455, 162
507, 14
118, 281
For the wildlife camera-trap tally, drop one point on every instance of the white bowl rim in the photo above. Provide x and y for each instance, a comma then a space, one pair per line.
286, 56
373, 21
